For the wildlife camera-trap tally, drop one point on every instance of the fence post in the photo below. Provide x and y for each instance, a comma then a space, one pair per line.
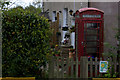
72, 61
99, 66
84, 67
76, 67
62, 66
91, 67
67, 67
51, 67
57, 70
96, 67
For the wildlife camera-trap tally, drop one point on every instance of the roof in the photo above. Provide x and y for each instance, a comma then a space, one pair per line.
85, 9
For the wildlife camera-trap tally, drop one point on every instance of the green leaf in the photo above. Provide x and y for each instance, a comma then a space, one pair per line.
25, 42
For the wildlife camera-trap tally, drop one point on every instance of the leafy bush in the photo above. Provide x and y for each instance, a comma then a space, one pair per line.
25, 43
111, 54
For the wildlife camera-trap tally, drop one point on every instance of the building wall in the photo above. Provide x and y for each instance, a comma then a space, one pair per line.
110, 20
59, 6
110, 16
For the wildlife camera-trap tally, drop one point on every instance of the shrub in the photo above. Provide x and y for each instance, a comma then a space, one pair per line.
25, 43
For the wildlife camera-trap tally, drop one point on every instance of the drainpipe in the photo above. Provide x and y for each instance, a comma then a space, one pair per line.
88, 4
76, 54
74, 6
43, 5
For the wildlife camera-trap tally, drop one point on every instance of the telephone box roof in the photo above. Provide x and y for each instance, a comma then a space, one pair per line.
85, 9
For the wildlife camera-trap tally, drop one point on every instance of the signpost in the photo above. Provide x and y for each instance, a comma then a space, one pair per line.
103, 66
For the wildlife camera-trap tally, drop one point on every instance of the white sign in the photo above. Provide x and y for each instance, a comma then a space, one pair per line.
103, 66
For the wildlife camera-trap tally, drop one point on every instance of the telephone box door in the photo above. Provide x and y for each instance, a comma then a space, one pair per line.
92, 38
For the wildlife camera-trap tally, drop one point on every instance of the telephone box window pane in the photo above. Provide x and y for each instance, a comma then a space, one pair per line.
91, 25
98, 25
91, 31
91, 38
98, 49
88, 44
91, 50
98, 31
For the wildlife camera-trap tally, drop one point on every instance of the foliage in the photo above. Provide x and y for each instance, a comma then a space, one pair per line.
110, 54
25, 43
109, 75
55, 50
33, 9
4, 4
72, 29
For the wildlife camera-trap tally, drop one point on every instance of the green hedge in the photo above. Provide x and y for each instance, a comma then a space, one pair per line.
25, 43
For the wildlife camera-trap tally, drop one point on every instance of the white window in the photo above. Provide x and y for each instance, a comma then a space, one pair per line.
73, 22
53, 16
65, 17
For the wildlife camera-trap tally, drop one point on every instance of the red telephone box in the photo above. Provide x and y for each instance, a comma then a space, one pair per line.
89, 25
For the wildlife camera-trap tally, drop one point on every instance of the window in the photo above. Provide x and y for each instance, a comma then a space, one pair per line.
73, 22
53, 16
65, 17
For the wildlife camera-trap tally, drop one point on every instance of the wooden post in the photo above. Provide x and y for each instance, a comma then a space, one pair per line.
76, 67
99, 65
57, 21
96, 67
57, 28
57, 72
67, 67
72, 60
62, 65
91, 67
51, 68
59, 67
84, 67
